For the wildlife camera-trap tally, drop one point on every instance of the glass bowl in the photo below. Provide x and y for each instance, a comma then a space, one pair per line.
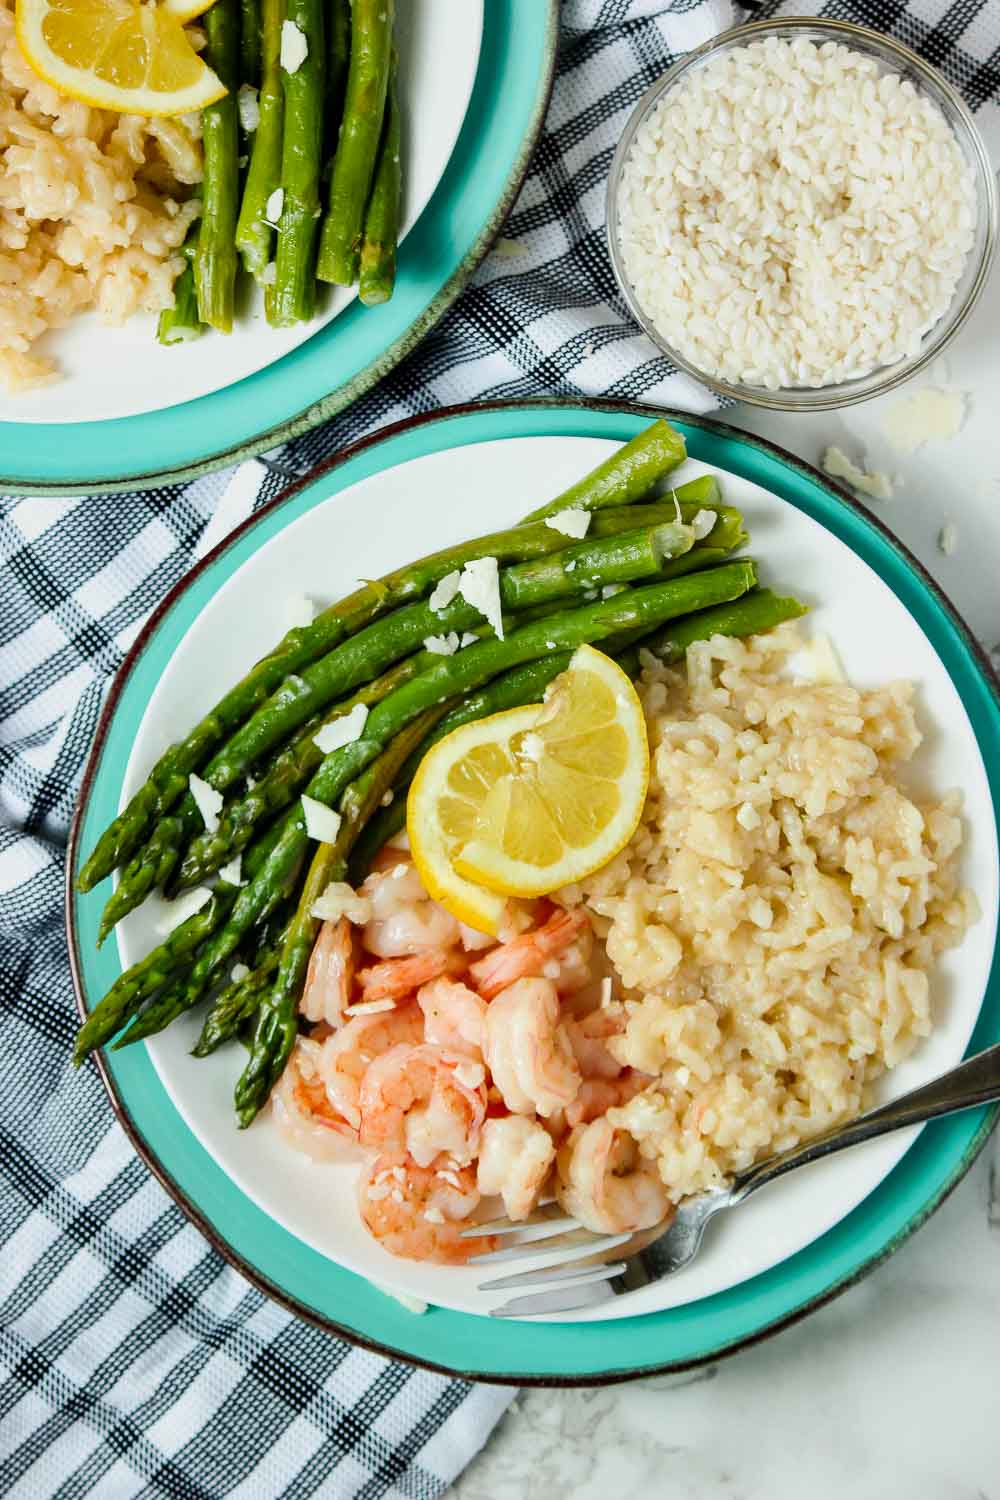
892, 57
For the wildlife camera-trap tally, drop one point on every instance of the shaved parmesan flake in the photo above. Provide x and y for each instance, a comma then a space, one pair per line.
342, 731
342, 900
274, 205
469, 638
232, 873
479, 586
572, 522
270, 271
606, 990
322, 823
185, 906
948, 538
369, 1007
207, 800
388, 798
238, 973
442, 645
825, 663
412, 1304
702, 523
611, 589
445, 591
294, 47
249, 109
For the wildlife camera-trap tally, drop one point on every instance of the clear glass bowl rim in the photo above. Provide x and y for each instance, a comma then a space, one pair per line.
888, 377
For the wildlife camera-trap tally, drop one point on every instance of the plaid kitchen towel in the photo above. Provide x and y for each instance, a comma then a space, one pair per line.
134, 1361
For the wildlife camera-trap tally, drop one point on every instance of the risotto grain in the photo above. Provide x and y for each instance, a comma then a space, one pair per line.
91, 211
775, 919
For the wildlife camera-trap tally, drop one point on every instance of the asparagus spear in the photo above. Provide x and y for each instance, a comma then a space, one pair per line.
179, 324
755, 612
215, 258
144, 978
292, 296
338, 59
357, 148
253, 232
250, 42
627, 475
276, 1029
167, 781
378, 249
237, 1003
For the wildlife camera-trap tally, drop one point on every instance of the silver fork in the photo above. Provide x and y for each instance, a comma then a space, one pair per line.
591, 1269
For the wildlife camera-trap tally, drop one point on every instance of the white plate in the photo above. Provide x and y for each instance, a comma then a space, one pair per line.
437, 39
323, 554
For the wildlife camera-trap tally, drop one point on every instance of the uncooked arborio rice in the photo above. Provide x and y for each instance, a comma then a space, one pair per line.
789, 217
775, 918
91, 211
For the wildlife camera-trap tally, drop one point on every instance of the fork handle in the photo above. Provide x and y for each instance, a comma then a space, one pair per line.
975, 1081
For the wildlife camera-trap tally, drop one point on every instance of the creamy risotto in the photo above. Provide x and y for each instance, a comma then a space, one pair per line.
776, 917
91, 211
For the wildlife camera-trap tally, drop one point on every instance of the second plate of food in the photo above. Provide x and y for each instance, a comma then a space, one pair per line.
293, 1224
155, 411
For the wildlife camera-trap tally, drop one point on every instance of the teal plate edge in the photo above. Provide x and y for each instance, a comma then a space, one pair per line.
452, 236
460, 1344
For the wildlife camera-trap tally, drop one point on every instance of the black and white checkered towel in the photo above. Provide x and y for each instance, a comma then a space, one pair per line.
133, 1360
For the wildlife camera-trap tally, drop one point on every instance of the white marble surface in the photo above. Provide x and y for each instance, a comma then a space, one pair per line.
893, 1391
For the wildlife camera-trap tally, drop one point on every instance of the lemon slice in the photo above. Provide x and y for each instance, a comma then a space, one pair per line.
116, 54
186, 10
526, 801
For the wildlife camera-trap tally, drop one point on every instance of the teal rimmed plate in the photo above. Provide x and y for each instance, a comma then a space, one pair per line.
430, 480
130, 413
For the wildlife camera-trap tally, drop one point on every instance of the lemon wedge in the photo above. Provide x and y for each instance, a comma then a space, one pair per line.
123, 55
527, 801
186, 10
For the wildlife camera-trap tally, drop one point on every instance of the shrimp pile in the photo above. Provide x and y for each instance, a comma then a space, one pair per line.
458, 1068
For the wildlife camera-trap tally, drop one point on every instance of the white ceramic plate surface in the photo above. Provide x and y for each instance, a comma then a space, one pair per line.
425, 504
122, 372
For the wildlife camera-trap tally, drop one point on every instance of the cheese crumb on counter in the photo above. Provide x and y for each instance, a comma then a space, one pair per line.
928, 416
836, 463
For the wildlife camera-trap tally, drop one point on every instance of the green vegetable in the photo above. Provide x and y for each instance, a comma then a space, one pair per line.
180, 323
338, 59
254, 235
752, 614
237, 1003
215, 257
628, 475
144, 978
250, 42
378, 251
357, 148
292, 296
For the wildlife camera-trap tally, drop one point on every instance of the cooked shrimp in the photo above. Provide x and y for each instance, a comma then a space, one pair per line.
395, 977
589, 1037
303, 1111
424, 1100
528, 1051
330, 975
515, 1159
347, 1055
418, 1212
404, 918
603, 1181
453, 1016
528, 954
598, 1095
